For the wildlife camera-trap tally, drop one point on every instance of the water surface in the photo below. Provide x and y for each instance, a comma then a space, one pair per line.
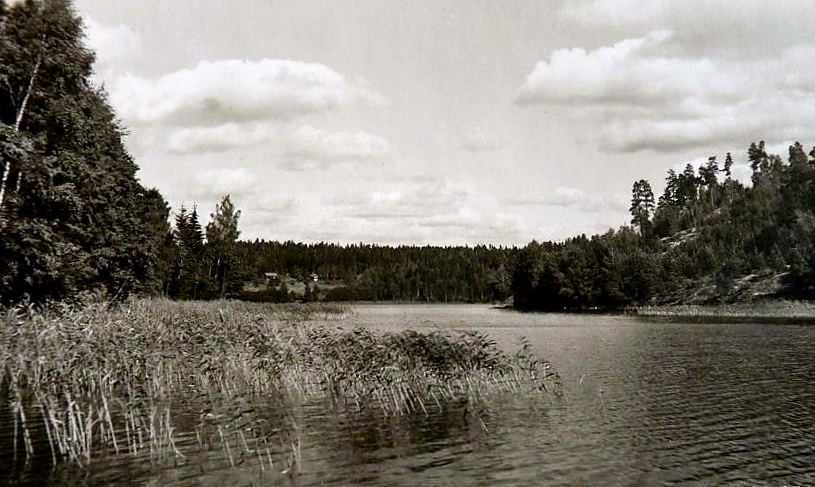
644, 403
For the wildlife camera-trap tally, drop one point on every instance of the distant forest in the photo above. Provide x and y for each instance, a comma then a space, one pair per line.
74, 219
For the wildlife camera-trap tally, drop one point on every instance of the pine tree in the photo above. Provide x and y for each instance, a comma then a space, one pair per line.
728, 166
642, 206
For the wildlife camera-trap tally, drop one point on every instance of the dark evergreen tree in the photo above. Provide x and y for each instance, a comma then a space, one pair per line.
728, 166
642, 206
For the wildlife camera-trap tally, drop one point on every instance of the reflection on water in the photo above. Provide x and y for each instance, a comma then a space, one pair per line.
643, 404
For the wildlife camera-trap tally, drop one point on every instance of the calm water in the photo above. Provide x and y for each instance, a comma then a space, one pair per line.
644, 404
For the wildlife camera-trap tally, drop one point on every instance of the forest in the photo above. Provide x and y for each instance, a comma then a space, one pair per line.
75, 220
702, 240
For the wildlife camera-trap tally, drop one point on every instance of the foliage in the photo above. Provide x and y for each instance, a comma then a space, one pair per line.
204, 269
73, 216
705, 229
380, 273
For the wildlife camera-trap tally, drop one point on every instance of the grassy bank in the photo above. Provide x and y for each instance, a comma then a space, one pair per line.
762, 311
95, 380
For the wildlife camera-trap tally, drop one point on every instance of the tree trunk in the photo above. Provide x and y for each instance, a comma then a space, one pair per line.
17, 123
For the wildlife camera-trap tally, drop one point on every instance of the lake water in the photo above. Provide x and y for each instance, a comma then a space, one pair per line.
644, 403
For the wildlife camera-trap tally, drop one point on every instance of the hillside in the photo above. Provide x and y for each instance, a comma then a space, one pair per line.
709, 239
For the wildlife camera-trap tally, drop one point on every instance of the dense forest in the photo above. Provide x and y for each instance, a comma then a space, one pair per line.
75, 219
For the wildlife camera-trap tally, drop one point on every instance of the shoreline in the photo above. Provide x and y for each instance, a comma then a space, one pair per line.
776, 311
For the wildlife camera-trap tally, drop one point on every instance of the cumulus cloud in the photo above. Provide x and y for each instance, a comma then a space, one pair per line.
289, 147
742, 28
218, 92
411, 201
419, 212
647, 93
632, 72
189, 140
560, 197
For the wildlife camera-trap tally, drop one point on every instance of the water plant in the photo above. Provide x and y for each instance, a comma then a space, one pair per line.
95, 379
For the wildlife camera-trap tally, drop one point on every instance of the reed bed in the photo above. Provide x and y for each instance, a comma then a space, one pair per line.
92, 380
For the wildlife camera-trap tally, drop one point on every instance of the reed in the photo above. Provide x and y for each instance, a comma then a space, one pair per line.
98, 379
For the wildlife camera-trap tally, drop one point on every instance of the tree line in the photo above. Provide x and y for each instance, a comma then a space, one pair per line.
380, 273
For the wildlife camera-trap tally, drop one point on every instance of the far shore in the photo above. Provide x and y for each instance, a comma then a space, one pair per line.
780, 311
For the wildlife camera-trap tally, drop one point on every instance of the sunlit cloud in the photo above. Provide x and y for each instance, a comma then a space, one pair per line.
219, 92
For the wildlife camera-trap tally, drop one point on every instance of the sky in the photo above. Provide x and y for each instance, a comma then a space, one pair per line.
445, 122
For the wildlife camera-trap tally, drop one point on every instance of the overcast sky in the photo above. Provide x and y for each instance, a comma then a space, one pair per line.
445, 121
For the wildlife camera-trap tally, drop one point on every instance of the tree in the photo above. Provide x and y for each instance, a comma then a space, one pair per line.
222, 233
728, 166
642, 206
189, 279
797, 155
758, 161
73, 215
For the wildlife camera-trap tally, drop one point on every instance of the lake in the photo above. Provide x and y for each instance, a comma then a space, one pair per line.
644, 403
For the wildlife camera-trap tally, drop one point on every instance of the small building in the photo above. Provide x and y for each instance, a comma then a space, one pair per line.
315, 277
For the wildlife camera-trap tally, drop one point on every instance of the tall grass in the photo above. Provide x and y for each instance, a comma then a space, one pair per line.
95, 380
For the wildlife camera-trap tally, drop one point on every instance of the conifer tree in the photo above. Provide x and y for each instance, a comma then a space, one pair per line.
642, 206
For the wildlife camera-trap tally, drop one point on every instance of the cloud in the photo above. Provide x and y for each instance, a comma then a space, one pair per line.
219, 92
629, 73
115, 47
309, 147
220, 138
215, 183
413, 212
564, 197
560, 197
647, 93
289, 147
409, 201
740, 28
